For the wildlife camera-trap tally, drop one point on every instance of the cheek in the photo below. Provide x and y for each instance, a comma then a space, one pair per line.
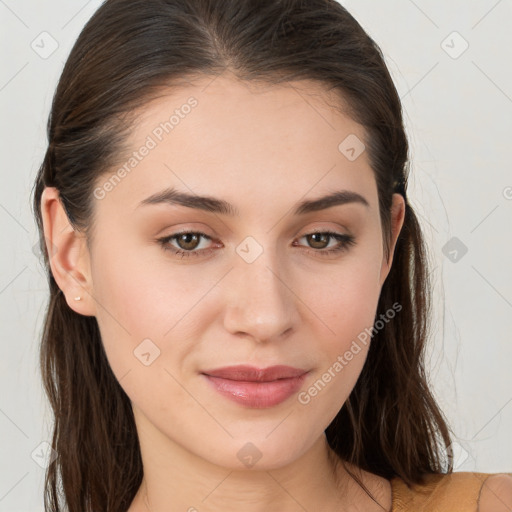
124, 289
345, 298
143, 307
344, 314
143, 295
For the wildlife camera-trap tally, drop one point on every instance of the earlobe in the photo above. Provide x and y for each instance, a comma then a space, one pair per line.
397, 221
68, 253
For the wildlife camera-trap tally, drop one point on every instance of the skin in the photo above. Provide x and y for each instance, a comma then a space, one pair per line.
496, 494
262, 149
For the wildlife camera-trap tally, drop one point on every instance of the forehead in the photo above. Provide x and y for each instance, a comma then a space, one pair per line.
224, 137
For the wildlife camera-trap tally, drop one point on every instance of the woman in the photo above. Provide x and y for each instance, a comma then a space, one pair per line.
239, 294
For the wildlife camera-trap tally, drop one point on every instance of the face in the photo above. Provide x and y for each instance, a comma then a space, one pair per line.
255, 280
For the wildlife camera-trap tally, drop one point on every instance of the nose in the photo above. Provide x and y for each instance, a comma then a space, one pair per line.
260, 302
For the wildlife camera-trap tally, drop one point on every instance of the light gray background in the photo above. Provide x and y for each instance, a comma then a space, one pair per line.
458, 109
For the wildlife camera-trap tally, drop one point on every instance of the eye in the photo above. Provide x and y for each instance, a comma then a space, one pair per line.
189, 243
320, 240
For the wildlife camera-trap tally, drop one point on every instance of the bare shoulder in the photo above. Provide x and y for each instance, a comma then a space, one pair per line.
496, 493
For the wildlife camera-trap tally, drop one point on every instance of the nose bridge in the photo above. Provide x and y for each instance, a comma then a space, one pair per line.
260, 302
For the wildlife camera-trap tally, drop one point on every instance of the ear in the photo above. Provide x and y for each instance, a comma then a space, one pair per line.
68, 254
397, 221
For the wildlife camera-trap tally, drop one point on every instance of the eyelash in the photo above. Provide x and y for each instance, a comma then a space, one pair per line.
345, 240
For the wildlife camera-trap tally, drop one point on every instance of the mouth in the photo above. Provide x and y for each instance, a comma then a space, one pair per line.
255, 387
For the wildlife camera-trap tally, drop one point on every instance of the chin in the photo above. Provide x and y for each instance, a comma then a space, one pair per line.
257, 452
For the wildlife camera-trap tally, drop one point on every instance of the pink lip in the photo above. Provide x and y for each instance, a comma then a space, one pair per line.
254, 387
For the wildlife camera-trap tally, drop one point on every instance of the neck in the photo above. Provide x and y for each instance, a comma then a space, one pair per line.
177, 479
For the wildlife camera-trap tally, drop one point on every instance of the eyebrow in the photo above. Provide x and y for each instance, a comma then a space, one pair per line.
211, 204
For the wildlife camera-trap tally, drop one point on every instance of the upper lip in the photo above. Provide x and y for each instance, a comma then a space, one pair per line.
251, 373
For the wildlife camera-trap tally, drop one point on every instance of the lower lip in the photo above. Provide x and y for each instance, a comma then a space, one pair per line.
258, 395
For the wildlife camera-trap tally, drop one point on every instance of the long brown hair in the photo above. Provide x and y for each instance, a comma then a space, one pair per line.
129, 52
